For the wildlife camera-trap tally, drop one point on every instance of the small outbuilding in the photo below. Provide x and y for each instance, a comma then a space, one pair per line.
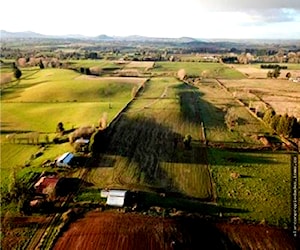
65, 160
115, 198
81, 145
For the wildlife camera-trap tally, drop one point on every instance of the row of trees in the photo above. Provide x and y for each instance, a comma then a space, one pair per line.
272, 66
285, 125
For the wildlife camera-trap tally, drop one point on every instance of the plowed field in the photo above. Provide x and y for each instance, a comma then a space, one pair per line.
108, 230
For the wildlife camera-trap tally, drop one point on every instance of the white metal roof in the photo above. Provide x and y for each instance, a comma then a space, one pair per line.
83, 141
115, 192
114, 197
116, 201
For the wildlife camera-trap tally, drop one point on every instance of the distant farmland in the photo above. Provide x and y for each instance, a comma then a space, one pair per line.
209, 70
282, 95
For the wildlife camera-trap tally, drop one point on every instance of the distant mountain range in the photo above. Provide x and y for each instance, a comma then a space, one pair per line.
29, 34
191, 42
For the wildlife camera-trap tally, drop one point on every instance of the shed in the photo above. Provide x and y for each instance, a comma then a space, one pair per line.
82, 141
81, 145
65, 160
115, 198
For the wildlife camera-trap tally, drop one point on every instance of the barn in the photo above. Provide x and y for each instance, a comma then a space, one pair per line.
115, 198
65, 160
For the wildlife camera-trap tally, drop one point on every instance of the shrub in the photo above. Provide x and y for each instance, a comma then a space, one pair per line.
187, 141
268, 116
275, 121
283, 125
17, 73
230, 119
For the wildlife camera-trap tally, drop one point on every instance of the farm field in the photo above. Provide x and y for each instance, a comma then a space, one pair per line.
218, 174
18, 230
132, 231
254, 71
26, 107
214, 104
263, 184
282, 95
209, 70
89, 63
142, 154
42, 98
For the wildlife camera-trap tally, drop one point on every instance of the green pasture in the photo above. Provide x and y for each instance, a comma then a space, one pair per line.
141, 154
41, 99
9, 161
88, 63
57, 85
43, 117
212, 70
263, 190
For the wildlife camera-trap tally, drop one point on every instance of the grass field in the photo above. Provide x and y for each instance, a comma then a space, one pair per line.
145, 151
42, 98
88, 63
263, 189
212, 70
141, 154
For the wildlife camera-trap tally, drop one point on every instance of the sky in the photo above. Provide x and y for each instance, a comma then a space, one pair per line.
230, 19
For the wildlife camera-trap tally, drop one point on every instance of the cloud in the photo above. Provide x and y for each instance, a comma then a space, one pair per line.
259, 11
245, 5
273, 15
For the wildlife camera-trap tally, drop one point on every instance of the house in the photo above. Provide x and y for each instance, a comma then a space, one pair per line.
115, 198
46, 185
65, 160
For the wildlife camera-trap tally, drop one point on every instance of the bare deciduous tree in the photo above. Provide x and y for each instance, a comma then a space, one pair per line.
181, 74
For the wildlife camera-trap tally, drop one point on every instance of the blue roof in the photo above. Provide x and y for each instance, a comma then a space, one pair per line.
65, 159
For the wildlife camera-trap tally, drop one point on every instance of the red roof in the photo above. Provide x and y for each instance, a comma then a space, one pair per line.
44, 183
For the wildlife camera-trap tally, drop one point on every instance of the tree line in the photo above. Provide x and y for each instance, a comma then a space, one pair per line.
285, 125
272, 66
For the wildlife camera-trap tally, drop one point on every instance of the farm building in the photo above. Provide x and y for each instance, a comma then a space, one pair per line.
81, 145
65, 160
115, 198
46, 185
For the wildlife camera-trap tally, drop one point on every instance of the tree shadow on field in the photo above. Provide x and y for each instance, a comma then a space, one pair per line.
147, 145
142, 139
189, 97
183, 202
230, 157
65, 186
16, 90
197, 233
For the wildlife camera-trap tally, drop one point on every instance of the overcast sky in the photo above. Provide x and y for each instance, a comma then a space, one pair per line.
277, 19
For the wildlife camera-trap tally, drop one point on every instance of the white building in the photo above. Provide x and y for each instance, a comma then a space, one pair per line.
115, 198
